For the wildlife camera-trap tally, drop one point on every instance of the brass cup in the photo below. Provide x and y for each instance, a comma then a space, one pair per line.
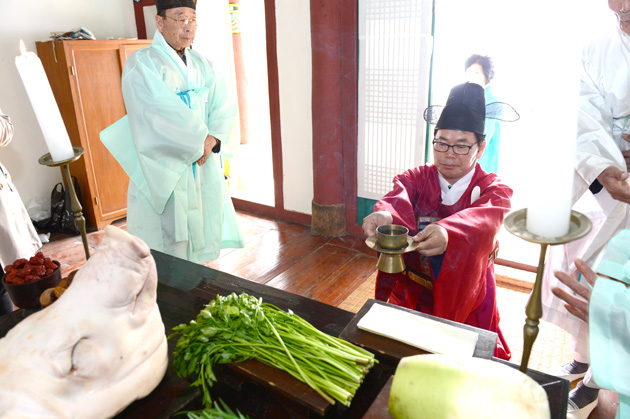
391, 264
392, 236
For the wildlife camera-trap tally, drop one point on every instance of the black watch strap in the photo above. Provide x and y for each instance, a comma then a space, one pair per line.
217, 147
595, 187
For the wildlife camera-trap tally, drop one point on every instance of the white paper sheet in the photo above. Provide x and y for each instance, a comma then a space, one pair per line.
414, 330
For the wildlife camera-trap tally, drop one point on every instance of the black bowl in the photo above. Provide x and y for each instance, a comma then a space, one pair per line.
27, 295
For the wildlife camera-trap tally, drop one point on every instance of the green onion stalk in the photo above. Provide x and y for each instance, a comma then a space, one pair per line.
219, 411
236, 328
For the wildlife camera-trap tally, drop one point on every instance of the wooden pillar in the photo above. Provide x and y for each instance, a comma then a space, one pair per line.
239, 69
328, 175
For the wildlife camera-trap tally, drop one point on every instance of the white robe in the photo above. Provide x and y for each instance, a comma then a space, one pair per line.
18, 238
175, 205
604, 105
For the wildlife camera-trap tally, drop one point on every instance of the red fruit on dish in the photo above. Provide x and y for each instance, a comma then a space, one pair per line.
25, 270
36, 261
10, 278
19, 263
40, 270
49, 264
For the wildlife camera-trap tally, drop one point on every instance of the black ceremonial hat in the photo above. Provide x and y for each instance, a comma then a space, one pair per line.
466, 110
162, 5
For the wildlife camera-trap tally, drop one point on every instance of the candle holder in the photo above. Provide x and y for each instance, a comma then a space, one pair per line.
77, 209
516, 223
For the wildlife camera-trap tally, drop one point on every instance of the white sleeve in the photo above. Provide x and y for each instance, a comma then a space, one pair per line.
6, 129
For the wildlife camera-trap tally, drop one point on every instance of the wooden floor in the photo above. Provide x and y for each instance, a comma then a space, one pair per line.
338, 271
290, 257
283, 255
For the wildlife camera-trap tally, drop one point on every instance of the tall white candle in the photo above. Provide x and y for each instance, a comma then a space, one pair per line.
555, 129
46, 110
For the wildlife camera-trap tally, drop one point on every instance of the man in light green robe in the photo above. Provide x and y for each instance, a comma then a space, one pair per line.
609, 314
606, 309
180, 114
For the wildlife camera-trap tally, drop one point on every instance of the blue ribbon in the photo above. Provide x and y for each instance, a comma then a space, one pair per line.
185, 97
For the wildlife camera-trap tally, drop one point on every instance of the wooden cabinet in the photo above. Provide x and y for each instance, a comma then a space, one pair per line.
85, 79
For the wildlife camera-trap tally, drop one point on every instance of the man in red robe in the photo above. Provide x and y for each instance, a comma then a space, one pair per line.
454, 210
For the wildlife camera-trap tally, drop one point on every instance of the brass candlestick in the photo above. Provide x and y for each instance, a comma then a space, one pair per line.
516, 223
77, 210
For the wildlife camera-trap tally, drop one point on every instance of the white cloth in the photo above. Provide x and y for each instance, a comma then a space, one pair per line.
6, 130
18, 238
452, 193
604, 105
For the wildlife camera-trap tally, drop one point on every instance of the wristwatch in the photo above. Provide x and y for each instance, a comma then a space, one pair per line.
217, 147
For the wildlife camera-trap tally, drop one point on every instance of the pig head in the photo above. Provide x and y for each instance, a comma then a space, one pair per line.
97, 348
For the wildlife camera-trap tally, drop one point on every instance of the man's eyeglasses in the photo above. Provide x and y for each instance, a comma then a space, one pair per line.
183, 21
460, 149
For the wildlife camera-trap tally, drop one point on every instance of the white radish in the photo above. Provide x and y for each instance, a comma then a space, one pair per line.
437, 386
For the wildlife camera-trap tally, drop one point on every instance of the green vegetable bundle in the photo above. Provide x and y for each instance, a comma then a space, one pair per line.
235, 328
221, 411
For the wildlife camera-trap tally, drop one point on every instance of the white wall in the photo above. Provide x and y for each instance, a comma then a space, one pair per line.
33, 21
295, 77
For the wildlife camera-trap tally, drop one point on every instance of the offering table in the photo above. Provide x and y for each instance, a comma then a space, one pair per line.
185, 288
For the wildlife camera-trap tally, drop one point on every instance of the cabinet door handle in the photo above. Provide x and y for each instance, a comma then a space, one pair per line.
72, 70
96, 201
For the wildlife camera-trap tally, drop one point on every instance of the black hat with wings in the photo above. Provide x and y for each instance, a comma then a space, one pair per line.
466, 110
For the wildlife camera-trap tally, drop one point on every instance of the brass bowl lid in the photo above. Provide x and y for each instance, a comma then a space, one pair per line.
411, 246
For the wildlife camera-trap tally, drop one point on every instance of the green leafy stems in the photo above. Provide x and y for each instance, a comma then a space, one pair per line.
235, 328
219, 411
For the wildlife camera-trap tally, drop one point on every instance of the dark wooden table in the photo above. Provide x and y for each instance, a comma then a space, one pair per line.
185, 288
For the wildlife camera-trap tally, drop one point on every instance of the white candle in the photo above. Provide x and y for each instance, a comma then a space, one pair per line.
555, 128
46, 110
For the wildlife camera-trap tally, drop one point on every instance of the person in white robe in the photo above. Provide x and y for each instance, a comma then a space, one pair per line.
603, 303
18, 238
601, 190
180, 120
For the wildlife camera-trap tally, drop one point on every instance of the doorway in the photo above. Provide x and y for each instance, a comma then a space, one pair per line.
251, 168
515, 36
233, 36
234, 33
